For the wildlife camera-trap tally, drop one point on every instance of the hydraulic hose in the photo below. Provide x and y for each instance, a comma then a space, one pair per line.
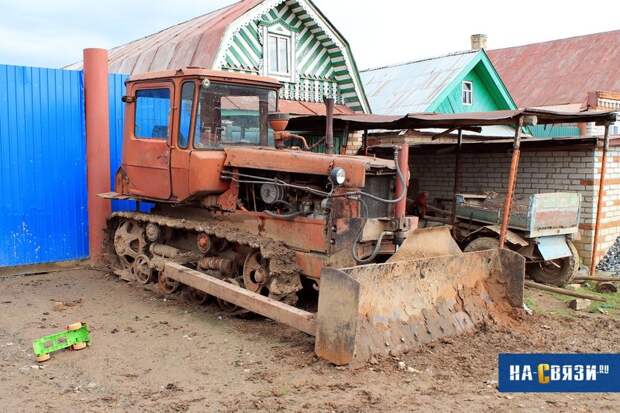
286, 215
375, 251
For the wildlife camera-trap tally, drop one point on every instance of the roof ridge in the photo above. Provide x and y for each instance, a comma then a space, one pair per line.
556, 40
462, 52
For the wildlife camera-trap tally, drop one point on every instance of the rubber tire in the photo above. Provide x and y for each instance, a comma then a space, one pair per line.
568, 270
43, 357
78, 346
74, 326
482, 244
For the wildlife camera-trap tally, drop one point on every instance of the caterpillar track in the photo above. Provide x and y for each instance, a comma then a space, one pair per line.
127, 257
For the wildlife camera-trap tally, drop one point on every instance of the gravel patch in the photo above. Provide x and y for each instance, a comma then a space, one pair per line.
611, 261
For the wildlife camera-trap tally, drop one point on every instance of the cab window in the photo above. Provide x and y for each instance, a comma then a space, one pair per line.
151, 115
231, 115
185, 113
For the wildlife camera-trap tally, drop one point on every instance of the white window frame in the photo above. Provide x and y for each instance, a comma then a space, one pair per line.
470, 91
278, 30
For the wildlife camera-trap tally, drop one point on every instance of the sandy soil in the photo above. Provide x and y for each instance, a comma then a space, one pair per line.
154, 354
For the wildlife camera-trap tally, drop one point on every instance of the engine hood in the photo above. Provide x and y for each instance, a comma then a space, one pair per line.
296, 161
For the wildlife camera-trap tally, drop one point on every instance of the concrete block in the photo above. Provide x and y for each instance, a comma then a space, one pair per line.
579, 304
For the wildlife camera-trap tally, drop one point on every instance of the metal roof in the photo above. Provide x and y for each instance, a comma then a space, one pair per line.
414, 86
214, 75
194, 42
561, 71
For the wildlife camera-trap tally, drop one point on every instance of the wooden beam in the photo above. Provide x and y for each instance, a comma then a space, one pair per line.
563, 291
259, 304
609, 279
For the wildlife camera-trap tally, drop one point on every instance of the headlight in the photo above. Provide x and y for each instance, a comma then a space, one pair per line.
338, 176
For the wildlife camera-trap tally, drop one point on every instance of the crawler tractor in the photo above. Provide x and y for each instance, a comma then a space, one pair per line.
245, 213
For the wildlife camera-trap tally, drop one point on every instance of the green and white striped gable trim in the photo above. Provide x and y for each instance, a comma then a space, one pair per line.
324, 63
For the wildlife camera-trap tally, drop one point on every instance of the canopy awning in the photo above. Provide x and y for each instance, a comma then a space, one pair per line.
447, 120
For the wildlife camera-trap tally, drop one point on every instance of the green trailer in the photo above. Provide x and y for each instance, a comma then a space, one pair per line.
541, 228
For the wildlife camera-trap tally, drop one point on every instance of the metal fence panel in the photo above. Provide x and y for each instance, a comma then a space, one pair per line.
43, 213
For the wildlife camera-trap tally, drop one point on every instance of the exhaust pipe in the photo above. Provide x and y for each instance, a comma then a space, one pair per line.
329, 125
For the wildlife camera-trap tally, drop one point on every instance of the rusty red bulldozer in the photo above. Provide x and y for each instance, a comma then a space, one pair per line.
246, 213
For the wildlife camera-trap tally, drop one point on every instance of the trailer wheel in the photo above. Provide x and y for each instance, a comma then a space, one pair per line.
556, 272
481, 244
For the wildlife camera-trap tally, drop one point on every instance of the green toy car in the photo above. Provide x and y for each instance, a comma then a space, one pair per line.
76, 336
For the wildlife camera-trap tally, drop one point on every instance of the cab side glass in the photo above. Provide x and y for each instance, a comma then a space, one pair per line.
185, 113
152, 109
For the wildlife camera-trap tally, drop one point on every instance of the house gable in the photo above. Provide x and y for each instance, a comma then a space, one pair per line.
489, 92
434, 85
322, 63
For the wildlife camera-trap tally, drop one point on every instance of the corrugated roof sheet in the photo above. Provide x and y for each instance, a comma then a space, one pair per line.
192, 43
449, 120
412, 87
560, 71
310, 108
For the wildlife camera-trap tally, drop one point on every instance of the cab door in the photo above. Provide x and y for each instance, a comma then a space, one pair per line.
146, 151
181, 151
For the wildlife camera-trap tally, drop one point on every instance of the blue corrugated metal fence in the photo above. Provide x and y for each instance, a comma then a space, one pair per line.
43, 214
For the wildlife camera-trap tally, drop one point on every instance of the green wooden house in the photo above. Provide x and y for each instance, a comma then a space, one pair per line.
290, 40
453, 83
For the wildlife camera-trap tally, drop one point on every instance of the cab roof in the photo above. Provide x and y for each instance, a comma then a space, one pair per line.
213, 75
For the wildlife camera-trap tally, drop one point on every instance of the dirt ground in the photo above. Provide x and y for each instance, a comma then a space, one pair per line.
149, 353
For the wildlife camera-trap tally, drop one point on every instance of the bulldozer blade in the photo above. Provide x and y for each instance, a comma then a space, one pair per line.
391, 308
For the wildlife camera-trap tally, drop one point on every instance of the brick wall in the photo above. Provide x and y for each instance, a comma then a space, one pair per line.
354, 142
538, 172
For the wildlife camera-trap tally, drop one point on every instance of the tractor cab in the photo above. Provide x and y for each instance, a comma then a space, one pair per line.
177, 118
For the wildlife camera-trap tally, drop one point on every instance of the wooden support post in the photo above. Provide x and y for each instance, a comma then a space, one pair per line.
263, 109
599, 204
512, 180
400, 208
365, 143
457, 177
97, 147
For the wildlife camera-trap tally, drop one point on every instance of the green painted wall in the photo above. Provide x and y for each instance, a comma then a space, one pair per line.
486, 95
555, 131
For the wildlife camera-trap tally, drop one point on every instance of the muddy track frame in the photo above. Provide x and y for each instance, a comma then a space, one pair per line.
282, 266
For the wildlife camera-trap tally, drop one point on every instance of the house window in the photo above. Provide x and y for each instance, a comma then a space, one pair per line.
279, 55
467, 93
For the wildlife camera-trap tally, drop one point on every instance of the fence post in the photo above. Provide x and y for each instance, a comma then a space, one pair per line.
97, 146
